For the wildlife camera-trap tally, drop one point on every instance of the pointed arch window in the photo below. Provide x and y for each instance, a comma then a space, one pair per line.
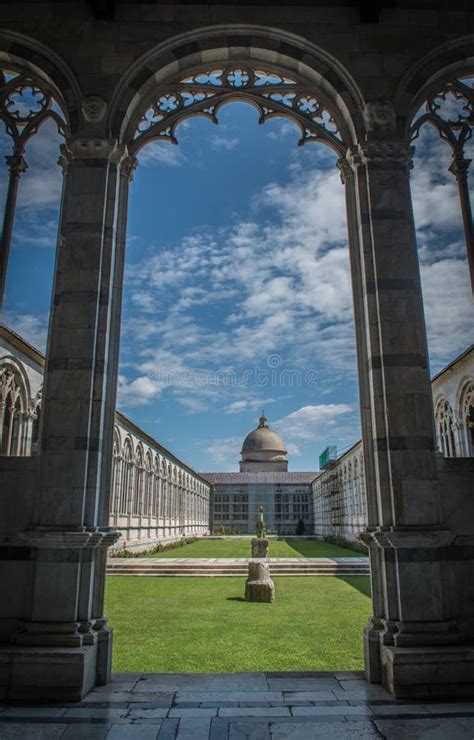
445, 428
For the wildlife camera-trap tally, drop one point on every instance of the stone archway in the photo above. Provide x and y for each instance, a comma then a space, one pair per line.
409, 637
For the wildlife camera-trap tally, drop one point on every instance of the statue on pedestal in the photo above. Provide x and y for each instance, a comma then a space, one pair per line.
261, 529
260, 545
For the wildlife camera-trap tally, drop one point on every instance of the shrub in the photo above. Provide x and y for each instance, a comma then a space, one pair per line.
161, 547
300, 527
341, 541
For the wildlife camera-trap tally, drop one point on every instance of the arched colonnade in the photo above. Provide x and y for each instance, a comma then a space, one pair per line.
152, 496
280, 74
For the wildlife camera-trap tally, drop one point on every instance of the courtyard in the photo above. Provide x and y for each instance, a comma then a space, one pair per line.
318, 271
240, 548
195, 625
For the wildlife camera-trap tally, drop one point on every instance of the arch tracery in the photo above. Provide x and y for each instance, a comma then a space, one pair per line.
26, 103
443, 97
445, 428
203, 92
17, 410
466, 409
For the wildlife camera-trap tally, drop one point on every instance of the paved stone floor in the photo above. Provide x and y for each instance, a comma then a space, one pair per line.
240, 706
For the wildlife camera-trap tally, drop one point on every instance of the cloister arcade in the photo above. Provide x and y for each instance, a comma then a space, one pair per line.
153, 499
417, 641
19, 413
454, 414
154, 496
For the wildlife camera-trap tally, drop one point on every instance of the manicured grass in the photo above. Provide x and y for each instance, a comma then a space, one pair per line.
241, 549
199, 625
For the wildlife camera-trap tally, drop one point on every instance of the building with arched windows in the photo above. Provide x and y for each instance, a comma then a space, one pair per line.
453, 400
155, 497
339, 491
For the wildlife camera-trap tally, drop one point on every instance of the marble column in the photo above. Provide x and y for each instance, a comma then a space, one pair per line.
16, 164
66, 626
405, 532
459, 168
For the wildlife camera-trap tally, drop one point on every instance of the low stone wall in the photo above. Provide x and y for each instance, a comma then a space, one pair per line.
17, 497
456, 476
146, 542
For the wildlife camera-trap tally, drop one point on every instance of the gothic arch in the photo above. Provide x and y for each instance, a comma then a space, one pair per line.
448, 61
117, 440
252, 47
30, 55
14, 406
461, 391
466, 416
444, 419
8, 362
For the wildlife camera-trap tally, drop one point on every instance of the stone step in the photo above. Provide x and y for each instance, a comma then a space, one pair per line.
217, 574
237, 567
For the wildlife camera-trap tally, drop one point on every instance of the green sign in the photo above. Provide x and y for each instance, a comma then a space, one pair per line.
327, 456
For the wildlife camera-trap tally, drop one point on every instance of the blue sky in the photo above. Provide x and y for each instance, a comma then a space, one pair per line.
237, 290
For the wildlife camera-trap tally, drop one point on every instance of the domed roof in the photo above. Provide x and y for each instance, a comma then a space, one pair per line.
263, 438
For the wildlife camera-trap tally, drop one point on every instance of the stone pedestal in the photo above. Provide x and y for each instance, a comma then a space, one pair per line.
260, 548
259, 586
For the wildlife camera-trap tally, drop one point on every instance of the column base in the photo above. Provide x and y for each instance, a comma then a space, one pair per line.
428, 672
52, 673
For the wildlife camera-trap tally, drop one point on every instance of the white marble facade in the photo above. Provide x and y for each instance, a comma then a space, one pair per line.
453, 400
338, 497
339, 492
155, 497
21, 381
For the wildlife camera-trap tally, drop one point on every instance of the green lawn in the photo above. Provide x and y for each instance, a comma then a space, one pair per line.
204, 625
241, 549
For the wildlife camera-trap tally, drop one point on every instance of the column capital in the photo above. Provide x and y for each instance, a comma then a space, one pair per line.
128, 166
345, 168
16, 164
389, 151
82, 148
459, 167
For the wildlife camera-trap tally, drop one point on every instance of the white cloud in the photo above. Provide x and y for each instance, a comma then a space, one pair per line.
224, 142
308, 421
137, 392
249, 404
158, 153
448, 309
40, 186
224, 452
280, 128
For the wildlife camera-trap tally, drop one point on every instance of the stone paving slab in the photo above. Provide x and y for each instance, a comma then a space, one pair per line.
240, 706
234, 696
425, 729
334, 731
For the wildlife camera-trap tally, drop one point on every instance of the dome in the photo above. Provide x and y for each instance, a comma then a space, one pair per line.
263, 439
